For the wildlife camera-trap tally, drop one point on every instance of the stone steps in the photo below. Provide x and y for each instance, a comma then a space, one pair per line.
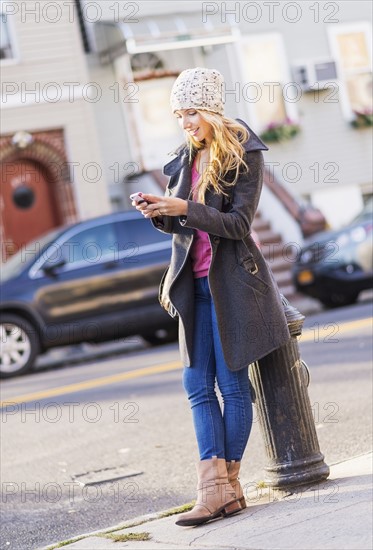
279, 256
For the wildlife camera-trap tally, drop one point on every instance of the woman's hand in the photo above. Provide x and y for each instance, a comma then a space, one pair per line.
161, 206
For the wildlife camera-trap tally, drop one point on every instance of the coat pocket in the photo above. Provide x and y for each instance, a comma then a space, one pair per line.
247, 271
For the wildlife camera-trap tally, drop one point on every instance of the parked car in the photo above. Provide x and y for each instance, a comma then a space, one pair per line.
335, 266
93, 281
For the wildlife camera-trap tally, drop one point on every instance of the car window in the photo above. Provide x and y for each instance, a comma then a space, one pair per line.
26, 255
90, 245
365, 215
139, 232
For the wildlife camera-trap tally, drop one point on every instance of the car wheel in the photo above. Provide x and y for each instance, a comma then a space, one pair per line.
19, 345
161, 336
336, 299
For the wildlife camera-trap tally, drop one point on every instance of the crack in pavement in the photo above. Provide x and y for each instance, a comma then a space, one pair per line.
289, 525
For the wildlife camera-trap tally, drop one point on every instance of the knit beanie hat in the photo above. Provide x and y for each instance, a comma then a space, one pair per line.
198, 88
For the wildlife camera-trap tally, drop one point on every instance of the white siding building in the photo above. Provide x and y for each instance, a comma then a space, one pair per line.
262, 50
45, 102
91, 81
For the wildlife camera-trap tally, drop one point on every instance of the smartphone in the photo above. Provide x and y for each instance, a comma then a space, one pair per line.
137, 198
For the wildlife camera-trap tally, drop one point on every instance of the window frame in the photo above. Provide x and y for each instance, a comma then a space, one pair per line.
36, 269
291, 109
10, 24
333, 33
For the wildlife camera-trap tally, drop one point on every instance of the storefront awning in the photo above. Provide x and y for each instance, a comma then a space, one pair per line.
161, 33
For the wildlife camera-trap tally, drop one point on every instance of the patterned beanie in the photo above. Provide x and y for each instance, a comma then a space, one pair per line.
198, 88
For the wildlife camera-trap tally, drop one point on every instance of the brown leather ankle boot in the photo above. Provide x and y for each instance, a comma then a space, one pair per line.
214, 493
233, 469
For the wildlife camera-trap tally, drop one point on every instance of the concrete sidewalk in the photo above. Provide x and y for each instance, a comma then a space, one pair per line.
335, 514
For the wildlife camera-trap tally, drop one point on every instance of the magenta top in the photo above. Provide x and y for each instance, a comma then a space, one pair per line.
200, 251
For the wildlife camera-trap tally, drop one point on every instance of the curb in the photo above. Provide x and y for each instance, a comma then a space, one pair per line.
279, 494
120, 526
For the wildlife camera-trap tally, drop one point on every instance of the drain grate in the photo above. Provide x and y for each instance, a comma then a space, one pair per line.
104, 475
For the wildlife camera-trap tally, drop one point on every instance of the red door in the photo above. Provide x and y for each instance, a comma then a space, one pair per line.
27, 202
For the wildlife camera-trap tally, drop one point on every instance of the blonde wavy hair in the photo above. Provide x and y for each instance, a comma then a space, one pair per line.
226, 153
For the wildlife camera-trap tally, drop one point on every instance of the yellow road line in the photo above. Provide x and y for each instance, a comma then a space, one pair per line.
321, 332
333, 330
94, 383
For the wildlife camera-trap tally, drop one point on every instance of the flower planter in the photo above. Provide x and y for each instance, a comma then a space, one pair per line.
277, 132
362, 119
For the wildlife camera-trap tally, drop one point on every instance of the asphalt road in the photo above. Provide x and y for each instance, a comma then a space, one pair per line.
94, 444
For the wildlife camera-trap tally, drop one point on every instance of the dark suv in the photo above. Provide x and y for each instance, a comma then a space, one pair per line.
93, 281
335, 266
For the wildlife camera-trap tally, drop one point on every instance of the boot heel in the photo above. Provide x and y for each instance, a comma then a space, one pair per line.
242, 502
232, 508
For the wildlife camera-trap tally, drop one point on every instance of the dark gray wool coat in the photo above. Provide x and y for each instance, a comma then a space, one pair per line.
250, 314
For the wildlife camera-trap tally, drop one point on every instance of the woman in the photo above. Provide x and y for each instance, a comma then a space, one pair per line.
218, 283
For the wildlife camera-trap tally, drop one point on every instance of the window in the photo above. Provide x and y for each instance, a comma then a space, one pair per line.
89, 246
154, 121
351, 48
139, 233
266, 75
6, 50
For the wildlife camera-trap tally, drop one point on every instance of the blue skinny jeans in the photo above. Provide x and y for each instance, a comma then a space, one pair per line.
220, 431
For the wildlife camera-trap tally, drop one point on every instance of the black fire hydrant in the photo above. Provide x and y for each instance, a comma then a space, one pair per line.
280, 382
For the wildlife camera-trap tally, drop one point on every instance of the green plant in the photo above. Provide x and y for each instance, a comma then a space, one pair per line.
362, 119
178, 510
125, 537
280, 131
261, 484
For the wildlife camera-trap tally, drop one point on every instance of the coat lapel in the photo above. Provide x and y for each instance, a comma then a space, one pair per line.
182, 189
180, 170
